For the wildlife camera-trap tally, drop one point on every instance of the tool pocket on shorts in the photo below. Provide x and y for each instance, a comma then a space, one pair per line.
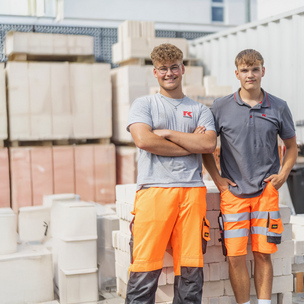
205, 234
131, 240
275, 229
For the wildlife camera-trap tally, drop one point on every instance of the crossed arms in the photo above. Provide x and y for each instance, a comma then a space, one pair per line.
172, 143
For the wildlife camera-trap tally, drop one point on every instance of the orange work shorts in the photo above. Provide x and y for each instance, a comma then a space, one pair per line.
164, 214
258, 215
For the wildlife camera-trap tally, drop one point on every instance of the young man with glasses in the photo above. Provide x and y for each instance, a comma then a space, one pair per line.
248, 123
170, 201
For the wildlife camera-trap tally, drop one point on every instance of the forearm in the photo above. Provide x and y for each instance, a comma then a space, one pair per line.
210, 165
288, 161
158, 145
194, 143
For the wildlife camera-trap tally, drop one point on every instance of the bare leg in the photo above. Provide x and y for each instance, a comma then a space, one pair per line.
239, 278
263, 275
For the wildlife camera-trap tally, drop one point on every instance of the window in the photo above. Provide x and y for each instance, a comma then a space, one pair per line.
217, 10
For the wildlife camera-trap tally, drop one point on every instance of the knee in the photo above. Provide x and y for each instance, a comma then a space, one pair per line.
263, 258
237, 261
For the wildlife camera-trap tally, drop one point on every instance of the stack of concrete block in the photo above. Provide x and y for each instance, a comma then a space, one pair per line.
88, 170
59, 100
107, 221
136, 39
75, 252
19, 266
126, 165
4, 179
128, 83
214, 90
3, 119
297, 222
48, 44
217, 287
26, 276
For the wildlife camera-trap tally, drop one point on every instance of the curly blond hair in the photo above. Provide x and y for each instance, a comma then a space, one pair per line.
249, 57
166, 52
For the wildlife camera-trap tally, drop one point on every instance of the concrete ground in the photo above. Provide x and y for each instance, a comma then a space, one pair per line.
297, 298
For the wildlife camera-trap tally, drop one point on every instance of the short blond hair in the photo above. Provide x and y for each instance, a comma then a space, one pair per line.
166, 52
249, 57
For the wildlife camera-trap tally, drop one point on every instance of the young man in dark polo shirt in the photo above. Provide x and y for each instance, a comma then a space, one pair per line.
248, 123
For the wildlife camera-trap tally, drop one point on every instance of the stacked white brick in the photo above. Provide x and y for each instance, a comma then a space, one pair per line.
75, 251
59, 100
19, 266
3, 119
217, 288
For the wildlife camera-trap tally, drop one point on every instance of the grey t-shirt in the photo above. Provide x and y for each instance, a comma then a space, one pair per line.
249, 148
159, 112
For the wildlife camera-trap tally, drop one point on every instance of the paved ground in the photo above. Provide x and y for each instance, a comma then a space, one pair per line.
297, 298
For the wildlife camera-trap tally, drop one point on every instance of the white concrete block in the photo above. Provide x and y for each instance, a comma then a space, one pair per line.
209, 81
215, 271
277, 267
164, 293
129, 75
168, 258
120, 191
114, 238
213, 289
8, 231
117, 52
285, 250
282, 284
214, 255
124, 227
297, 232
224, 270
299, 247
206, 272
170, 275
3, 112
130, 193
287, 266
135, 47
122, 272
285, 298
285, 214
297, 219
193, 76
162, 278
287, 233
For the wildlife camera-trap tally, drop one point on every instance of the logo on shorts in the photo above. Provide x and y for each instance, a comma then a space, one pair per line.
187, 114
206, 234
274, 226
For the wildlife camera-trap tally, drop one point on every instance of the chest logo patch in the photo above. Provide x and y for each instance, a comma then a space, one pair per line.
263, 115
187, 114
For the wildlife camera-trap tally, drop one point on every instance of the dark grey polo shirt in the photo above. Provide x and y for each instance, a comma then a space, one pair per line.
249, 148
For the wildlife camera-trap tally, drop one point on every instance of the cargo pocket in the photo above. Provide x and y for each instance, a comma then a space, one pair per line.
205, 234
131, 241
275, 229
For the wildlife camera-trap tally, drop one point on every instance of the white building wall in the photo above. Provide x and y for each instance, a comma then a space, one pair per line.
269, 8
278, 39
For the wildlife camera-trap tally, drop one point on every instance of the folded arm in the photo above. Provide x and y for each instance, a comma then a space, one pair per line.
193, 142
146, 140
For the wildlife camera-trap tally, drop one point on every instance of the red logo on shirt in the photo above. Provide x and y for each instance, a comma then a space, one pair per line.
187, 114
263, 115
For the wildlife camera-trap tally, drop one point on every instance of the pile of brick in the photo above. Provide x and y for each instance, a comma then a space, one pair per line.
217, 287
54, 109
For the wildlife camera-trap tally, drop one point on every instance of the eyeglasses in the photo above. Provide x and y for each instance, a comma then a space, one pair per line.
164, 70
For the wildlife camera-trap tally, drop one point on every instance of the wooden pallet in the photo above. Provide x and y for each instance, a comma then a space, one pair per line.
37, 57
63, 142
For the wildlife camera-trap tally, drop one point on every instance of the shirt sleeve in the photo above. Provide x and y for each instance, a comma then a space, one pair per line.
206, 119
140, 112
214, 110
287, 129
